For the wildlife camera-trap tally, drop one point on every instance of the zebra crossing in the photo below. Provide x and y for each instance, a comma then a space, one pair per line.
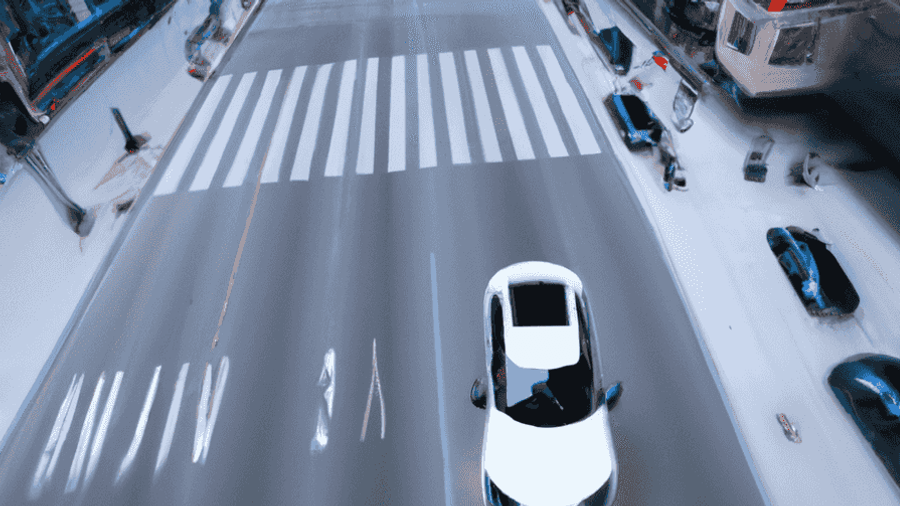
482, 75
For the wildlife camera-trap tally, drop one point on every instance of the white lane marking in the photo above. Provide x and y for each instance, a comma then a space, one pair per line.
202, 408
171, 420
397, 134
427, 150
253, 132
578, 124
459, 146
87, 428
514, 122
285, 118
142, 424
52, 441
337, 150
169, 182
307, 144
66, 425
365, 159
100, 436
216, 150
448, 500
221, 378
535, 93
326, 379
482, 110
376, 382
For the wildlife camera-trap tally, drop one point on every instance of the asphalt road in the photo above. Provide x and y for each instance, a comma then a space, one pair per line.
342, 261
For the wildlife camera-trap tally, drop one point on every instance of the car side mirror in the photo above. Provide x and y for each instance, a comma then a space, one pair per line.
613, 395
478, 395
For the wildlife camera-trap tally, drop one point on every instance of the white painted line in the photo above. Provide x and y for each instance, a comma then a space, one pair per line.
254, 130
282, 127
578, 124
320, 439
397, 134
365, 159
307, 144
87, 428
202, 408
171, 420
376, 382
482, 110
39, 476
100, 436
142, 424
545, 120
221, 378
216, 150
337, 150
326, 379
514, 122
459, 146
427, 150
169, 182
448, 499
66, 425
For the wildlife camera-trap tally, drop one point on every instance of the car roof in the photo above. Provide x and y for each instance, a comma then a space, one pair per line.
533, 271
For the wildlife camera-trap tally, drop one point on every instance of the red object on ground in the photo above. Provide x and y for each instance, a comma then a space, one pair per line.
637, 84
776, 5
662, 62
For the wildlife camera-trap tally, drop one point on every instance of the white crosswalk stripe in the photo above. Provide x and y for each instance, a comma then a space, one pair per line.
365, 158
578, 124
169, 182
459, 147
489, 80
217, 148
254, 130
397, 139
337, 151
548, 127
482, 110
282, 127
514, 121
427, 150
303, 159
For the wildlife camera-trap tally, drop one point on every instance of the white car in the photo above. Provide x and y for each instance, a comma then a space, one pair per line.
547, 440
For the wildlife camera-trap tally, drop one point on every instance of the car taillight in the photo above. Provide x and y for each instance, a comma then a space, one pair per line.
742, 34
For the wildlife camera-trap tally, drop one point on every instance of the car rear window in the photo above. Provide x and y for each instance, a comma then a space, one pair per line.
541, 304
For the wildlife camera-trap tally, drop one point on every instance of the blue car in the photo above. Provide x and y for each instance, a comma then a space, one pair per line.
813, 271
867, 388
617, 48
638, 125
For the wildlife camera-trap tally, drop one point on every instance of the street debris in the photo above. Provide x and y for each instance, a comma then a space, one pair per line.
755, 168
790, 431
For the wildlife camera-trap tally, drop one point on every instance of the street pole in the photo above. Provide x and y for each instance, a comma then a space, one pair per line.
76, 217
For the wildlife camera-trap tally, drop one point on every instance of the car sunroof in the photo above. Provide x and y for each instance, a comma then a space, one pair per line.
542, 304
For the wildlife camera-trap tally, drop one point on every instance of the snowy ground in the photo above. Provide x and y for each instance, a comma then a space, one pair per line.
45, 267
771, 356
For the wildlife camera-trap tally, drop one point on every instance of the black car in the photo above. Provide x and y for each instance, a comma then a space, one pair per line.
867, 388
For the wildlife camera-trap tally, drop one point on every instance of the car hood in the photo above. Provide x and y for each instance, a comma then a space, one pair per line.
548, 466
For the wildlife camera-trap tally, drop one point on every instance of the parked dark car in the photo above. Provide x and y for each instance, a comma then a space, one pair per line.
814, 272
867, 387
637, 124
616, 48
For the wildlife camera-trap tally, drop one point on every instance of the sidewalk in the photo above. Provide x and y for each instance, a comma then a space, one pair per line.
770, 355
45, 267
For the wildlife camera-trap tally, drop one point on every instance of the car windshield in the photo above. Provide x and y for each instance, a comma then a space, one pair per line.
547, 398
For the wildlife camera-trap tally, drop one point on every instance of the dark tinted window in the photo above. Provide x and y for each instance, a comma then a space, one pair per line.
637, 111
548, 398
498, 357
542, 304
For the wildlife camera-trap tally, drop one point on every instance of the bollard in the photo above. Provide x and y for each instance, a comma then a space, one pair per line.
74, 215
132, 143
